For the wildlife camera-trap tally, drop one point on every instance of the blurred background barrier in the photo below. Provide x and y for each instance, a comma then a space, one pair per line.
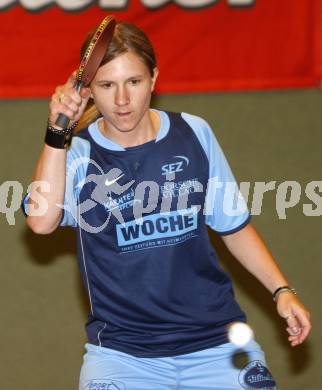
219, 47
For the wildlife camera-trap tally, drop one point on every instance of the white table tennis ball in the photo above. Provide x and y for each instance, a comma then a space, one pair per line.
240, 334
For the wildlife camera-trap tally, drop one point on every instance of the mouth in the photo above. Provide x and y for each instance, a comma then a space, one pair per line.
123, 114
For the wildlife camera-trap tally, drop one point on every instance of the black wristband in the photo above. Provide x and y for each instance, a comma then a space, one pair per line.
279, 290
59, 139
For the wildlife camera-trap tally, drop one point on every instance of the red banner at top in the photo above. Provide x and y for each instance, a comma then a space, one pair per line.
201, 45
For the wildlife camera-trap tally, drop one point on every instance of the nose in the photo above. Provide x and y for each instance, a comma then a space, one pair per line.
121, 96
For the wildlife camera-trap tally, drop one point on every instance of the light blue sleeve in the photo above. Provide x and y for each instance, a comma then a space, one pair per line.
225, 208
77, 162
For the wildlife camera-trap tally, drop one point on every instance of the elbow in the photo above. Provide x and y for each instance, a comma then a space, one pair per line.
40, 227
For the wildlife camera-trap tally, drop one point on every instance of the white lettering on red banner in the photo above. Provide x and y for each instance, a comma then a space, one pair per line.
74, 5
182, 3
240, 2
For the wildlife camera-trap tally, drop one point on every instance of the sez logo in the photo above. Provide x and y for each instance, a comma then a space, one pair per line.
180, 162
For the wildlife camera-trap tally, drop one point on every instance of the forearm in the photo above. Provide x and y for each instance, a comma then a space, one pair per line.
51, 171
51, 167
249, 249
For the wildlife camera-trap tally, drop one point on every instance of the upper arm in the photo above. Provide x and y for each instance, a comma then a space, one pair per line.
76, 167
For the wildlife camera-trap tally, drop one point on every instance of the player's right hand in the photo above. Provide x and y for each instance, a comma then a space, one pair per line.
66, 100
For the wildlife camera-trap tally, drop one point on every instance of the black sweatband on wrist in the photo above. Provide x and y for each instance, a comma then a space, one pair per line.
59, 139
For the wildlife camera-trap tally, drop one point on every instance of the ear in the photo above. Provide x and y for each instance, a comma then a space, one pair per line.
154, 78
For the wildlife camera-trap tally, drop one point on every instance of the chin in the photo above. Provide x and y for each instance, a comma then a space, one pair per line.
125, 129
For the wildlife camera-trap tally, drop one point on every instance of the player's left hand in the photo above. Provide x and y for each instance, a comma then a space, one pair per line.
297, 317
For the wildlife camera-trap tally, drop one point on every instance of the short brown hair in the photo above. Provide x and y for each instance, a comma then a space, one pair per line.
127, 37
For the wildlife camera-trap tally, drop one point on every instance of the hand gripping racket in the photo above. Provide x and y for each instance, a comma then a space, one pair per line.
91, 60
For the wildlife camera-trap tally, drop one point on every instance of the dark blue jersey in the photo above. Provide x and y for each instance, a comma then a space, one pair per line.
141, 215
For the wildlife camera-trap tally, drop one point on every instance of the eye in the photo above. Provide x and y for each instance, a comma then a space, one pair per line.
106, 85
135, 81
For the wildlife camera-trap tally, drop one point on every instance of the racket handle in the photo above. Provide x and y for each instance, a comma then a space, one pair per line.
62, 121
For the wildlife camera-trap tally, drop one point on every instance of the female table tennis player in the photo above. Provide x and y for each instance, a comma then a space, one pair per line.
135, 184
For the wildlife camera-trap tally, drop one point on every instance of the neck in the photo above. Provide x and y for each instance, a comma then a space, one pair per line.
146, 132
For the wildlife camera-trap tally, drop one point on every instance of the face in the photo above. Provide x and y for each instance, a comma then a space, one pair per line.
122, 91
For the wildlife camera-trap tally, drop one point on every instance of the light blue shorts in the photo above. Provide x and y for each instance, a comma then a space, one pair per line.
224, 367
